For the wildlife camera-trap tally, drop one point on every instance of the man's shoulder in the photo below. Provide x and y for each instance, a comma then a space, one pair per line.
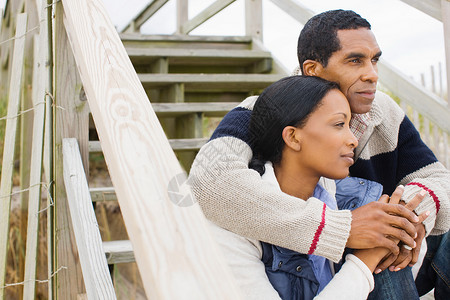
248, 103
385, 108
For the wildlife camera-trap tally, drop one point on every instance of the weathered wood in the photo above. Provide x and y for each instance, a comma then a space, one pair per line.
182, 14
103, 194
211, 82
427, 103
15, 90
128, 38
296, 10
89, 241
72, 120
136, 23
176, 144
36, 159
446, 22
119, 252
254, 19
205, 15
166, 238
209, 109
430, 7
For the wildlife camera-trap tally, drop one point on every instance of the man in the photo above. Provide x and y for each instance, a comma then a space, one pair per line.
338, 46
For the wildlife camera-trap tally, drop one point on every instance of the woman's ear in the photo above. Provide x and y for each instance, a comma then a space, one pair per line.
312, 68
291, 138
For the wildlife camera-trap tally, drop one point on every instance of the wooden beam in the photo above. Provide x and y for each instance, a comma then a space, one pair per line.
144, 15
15, 90
103, 194
167, 239
119, 252
429, 7
89, 241
71, 120
182, 14
175, 144
254, 19
446, 22
37, 146
429, 104
296, 10
205, 15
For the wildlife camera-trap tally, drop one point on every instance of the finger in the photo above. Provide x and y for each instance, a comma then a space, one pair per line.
415, 255
423, 216
401, 211
384, 199
404, 263
416, 200
402, 224
385, 263
397, 195
389, 244
401, 235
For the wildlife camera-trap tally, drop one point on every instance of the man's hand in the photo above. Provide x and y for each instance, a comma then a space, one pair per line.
374, 223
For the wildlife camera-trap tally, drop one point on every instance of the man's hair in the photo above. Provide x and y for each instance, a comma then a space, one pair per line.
318, 38
287, 102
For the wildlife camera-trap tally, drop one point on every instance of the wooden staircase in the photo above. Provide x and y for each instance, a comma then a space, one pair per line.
192, 82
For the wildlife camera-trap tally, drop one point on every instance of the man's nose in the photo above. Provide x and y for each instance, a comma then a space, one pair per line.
370, 73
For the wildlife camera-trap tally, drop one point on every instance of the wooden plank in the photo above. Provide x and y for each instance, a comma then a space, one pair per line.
119, 252
446, 23
211, 82
430, 7
209, 109
427, 103
89, 241
15, 90
182, 14
103, 194
176, 144
167, 239
254, 19
296, 10
205, 15
71, 120
37, 146
144, 15
128, 38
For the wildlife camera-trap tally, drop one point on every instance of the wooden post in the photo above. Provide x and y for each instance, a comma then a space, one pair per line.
92, 256
445, 8
10, 140
37, 149
253, 19
167, 239
182, 14
71, 120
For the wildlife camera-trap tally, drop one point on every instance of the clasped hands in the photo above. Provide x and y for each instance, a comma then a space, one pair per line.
389, 223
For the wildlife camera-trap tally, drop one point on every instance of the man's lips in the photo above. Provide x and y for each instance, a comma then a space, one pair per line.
367, 93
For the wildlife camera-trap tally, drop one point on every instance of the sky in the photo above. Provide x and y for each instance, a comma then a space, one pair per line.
410, 40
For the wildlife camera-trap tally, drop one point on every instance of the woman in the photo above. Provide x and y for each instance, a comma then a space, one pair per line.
300, 133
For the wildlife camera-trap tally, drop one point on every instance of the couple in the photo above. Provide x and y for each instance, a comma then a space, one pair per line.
338, 46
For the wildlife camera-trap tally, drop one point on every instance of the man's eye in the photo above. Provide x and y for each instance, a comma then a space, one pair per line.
356, 60
375, 59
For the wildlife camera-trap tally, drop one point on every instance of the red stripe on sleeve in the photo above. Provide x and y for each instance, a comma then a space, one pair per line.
432, 194
318, 231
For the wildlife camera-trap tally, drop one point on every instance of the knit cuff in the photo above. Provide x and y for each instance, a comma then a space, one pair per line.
335, 234
364, 269
427, 204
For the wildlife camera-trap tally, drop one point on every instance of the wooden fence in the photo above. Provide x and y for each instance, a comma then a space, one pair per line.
168, 241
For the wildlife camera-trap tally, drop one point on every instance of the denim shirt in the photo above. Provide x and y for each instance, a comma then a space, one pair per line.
301, 276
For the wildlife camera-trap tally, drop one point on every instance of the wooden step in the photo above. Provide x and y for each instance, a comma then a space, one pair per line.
186, 41
209, 109
101, 194
176, 144
118, 252
210, 82
251, 60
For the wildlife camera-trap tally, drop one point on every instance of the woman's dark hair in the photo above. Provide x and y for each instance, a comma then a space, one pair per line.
318, 39
287, 102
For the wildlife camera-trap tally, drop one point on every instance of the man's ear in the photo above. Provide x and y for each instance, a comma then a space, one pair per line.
312, 68
291, 138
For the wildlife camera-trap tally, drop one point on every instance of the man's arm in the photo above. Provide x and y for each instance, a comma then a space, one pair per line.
235, 197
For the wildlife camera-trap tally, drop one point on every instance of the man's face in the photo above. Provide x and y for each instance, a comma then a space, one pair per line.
354, 67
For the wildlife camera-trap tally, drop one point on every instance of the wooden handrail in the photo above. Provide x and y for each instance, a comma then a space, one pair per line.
430, 7
176, 255
144, 15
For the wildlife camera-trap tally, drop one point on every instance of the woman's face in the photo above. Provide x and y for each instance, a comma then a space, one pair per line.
327, 143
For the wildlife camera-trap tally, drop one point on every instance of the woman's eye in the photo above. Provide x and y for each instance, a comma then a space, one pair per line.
341, 124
